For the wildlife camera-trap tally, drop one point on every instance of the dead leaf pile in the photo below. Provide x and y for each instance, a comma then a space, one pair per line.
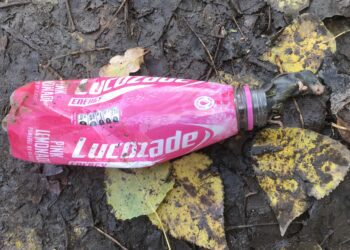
302, 45
293, 164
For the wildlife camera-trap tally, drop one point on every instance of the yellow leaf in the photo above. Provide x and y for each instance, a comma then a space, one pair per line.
130, 62
193, 210
293, 164
138, 191
302, 45
288, 6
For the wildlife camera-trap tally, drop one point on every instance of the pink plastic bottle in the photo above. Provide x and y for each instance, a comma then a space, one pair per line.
126, 122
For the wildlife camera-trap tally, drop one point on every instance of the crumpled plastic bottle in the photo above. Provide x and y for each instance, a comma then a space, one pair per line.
126, 122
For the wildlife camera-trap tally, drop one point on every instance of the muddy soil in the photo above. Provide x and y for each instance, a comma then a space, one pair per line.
38, 41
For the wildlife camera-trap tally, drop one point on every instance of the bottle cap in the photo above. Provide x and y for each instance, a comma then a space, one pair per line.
251, 107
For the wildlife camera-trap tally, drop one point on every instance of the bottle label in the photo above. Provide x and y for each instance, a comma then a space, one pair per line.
124, 122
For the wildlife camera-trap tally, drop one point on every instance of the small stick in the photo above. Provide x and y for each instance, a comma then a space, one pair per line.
229, 228
126, 17
109, 23
329, 234
79, 52
111, 238
51, 70
299, 111
7, 5
269, 24
204, 46
344, 242
336, 36
261, 64
239, 28
215, 56
70, 17
339, 127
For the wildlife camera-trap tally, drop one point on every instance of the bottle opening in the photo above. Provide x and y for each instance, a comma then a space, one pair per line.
251, 107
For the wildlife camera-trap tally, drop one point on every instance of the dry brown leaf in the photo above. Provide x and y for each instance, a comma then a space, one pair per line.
119, 65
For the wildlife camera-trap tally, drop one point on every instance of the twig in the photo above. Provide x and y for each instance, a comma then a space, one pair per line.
339, 127
111, 238
326, 237
126, 11
51, 70
126, 17
109, 23
336, 36
70, 17
344, 242
203, 44
215, 56
229, 228
78, 52
239, 28
299, 111
269, 23
7, 5
268, 67
235, 6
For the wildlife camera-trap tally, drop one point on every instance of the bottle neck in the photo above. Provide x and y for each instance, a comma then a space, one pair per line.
251, 107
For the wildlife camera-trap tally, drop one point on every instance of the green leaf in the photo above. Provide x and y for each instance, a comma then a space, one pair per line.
137, 192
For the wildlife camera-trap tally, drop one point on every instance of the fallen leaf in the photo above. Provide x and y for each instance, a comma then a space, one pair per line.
193, 210
302, 45
124, 65
293, 164
138, 191
289, 6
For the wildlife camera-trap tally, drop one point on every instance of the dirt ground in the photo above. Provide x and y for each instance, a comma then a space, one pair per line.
38, 41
